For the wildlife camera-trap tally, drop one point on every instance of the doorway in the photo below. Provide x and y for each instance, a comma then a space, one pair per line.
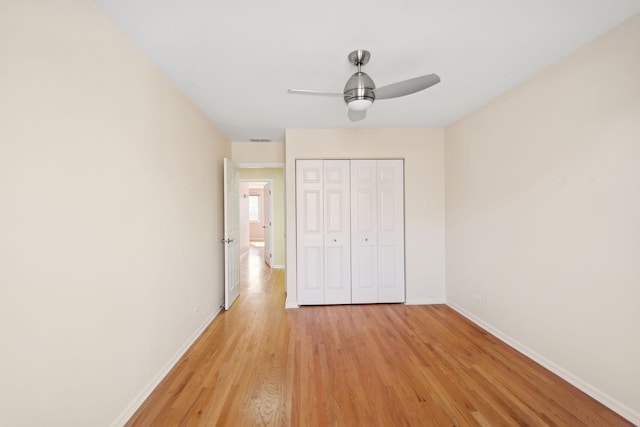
256, 213
260, 255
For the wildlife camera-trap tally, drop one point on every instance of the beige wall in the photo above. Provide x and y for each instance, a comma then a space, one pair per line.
277, 200
110, 218
258, 152
423, 152
543, 214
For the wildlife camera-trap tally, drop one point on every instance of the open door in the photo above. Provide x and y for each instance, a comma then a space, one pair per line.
267, 225
231, 238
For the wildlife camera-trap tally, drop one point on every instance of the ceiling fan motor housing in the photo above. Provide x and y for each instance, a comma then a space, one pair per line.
359, 87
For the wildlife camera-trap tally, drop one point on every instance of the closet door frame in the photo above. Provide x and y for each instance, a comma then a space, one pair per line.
350, 231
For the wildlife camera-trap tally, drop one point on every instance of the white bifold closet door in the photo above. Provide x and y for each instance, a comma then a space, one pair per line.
323, 231
377, 227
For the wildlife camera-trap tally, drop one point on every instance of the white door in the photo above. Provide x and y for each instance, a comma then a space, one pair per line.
231, 233
310, 231
390, 182
268, 255
364, 229
337, 232
377, 224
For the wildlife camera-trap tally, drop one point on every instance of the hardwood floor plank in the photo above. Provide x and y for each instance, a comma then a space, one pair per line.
361, 365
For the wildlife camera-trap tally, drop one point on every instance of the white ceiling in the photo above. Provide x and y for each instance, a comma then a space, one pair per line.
236, 58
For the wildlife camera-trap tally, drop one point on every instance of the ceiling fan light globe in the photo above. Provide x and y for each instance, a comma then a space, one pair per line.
359, 104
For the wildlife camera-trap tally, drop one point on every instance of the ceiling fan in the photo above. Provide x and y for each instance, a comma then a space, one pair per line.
360, 91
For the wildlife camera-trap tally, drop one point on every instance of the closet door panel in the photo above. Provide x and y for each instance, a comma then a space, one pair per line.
337, 232
310, 231
390, 182
312, 209
364, 237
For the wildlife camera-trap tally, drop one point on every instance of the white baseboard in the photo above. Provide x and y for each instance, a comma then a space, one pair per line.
144, 394
425, 301
592, 391
288, 304
279, 266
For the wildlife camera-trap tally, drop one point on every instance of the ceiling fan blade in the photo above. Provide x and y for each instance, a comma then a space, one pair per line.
314, 92
356, 116
406, 87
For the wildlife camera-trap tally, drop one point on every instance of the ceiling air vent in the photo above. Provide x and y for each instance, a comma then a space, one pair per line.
259, 140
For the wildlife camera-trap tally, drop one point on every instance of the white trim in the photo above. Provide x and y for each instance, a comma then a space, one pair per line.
288, 304
278, 266
425, 301
144, 394
592, 391
260, 165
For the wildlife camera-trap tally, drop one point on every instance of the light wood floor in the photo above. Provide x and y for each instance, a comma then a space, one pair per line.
361, 365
